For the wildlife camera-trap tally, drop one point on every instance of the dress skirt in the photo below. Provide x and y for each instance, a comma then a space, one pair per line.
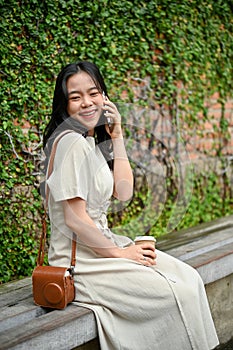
146, 308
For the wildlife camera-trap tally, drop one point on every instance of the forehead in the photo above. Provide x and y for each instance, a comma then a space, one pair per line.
79, 82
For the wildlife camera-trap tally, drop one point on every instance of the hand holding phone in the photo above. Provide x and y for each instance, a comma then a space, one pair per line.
106, 113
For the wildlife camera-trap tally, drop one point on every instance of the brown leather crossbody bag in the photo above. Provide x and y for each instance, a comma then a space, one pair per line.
53, 286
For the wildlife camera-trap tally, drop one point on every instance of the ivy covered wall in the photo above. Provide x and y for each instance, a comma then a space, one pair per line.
161, 54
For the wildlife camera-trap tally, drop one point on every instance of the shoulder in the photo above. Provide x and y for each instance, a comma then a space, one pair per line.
70, 138
74, 145
70, 141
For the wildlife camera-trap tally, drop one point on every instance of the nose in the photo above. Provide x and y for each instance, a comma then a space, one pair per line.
86, 101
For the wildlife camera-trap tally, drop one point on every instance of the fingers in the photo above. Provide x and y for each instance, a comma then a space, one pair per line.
146, 257
112, 113
148, 246
110, 108
147, 261
148, 254
113, 119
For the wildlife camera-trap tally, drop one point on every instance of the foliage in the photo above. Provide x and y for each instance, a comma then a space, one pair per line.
206, 204
188, 42
19, 242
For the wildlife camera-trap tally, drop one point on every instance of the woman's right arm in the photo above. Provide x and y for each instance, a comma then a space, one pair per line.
78, 220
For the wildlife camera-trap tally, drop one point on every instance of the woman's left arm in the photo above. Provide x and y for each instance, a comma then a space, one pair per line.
122, 172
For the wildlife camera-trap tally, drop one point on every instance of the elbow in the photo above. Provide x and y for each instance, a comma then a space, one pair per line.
69, 222
125, 197
123, 191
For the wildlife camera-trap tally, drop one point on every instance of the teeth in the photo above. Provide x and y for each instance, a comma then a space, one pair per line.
87, 114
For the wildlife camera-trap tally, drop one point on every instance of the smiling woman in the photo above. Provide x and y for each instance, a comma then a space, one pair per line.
69, 93
148, 298
85, 101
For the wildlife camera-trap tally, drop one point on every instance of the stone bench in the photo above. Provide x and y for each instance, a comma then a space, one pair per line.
207, 247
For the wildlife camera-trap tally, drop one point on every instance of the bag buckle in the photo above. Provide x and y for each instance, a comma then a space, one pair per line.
71, 270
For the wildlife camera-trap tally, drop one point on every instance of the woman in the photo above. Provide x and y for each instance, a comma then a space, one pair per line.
142, 299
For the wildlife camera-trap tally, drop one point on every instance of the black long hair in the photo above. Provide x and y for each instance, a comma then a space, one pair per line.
60, 119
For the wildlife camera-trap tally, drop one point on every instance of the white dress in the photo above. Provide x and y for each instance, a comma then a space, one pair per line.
136, 307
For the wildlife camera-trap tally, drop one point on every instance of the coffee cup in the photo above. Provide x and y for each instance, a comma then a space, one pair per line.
145, 239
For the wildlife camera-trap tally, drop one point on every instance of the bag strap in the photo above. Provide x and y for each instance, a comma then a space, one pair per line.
40, 258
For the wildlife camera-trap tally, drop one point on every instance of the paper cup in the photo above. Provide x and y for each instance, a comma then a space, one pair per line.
145, 239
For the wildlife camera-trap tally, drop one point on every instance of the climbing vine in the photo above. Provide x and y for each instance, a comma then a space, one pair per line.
184, 48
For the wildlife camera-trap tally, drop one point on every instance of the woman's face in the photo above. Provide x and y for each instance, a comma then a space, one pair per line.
84, 100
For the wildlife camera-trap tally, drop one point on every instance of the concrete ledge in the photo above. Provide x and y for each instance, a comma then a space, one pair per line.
23, 325
208, 248
64, 329
220, 296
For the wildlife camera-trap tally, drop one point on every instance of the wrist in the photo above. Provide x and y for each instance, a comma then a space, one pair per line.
115, 252
117, 133
117, 137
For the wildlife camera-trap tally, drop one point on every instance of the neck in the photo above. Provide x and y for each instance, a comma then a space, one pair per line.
90, 132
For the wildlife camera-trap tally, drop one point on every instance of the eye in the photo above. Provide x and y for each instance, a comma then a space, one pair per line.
94, 94
74, 98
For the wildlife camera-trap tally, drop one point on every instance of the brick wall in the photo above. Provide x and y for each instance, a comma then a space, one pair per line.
200, 145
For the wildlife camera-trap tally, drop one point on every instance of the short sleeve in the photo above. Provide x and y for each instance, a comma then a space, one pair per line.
71, 170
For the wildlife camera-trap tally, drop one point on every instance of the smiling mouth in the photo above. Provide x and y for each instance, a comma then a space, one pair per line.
88, 114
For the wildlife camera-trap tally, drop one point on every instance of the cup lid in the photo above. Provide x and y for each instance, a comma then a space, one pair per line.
145, 238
